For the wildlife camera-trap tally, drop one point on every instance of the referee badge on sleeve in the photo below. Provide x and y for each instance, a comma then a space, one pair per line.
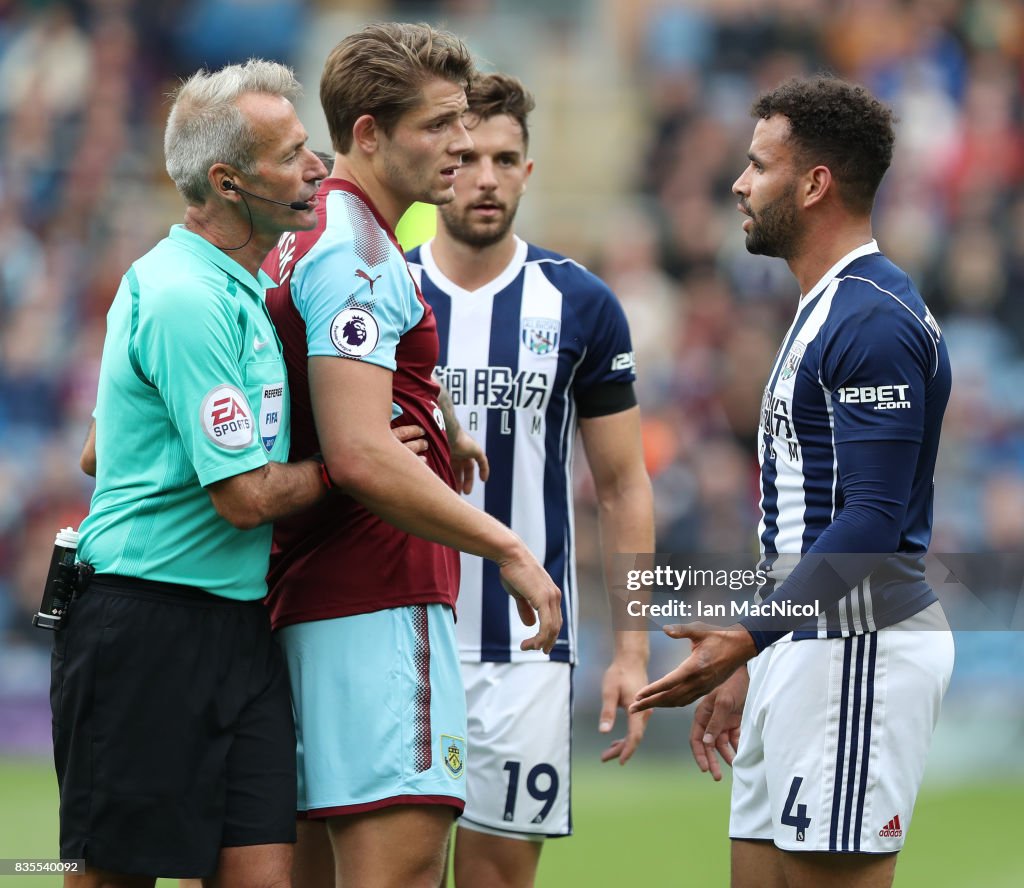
271, 406
453, 754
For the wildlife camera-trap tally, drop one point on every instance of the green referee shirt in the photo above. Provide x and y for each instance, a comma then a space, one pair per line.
192, 389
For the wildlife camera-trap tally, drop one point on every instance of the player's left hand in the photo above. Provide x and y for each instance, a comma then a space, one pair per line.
716, 723
622, 679
467, 454
537, 598
716, 654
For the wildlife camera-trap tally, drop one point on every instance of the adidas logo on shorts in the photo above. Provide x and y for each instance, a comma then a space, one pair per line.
892, 830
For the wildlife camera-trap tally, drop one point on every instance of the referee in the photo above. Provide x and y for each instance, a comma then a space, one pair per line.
173, 737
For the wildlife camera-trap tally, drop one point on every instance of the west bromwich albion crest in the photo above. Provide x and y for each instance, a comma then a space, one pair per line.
453, 754
792, 360
540, 335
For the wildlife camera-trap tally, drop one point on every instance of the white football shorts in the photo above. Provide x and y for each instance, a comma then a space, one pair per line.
519, 745
835, 734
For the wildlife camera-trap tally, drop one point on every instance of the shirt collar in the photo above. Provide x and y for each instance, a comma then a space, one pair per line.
863, 250
332, 184
493, 286
201, 246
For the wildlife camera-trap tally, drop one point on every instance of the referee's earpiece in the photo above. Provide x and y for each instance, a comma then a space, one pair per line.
297, 205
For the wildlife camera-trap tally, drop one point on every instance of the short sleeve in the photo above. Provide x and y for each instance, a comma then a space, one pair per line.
609, 357
188, 345
351, 309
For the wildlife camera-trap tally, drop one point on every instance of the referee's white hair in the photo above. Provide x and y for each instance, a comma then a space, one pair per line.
205, 125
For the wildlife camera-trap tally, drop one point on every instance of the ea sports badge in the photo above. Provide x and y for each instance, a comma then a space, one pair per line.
226, 418
453, 754
354, 332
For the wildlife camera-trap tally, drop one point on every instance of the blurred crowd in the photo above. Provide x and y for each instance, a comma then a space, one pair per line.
708, 317
83, 193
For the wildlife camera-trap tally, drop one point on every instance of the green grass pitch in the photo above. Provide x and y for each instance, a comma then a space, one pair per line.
655, 825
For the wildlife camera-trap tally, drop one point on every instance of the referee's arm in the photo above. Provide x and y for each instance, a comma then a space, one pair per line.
88, 458
267, 493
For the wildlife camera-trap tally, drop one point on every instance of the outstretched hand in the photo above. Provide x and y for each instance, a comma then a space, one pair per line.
716, 655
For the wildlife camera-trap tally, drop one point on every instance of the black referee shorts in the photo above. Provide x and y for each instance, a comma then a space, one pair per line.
172, 729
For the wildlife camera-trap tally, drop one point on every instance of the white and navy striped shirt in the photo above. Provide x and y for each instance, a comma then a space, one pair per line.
850, 425
518, 356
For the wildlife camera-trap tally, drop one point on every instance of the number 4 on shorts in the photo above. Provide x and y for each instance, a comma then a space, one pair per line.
800, 821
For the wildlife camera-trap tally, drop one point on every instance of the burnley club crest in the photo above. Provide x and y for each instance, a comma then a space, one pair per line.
453, 754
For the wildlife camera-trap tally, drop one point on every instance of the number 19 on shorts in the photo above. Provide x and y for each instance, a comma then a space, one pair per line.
541, 785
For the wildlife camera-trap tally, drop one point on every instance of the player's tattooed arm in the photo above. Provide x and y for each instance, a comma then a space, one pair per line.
467, 454
452, 426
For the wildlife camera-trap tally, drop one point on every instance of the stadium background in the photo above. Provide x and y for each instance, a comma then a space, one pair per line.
641, 127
